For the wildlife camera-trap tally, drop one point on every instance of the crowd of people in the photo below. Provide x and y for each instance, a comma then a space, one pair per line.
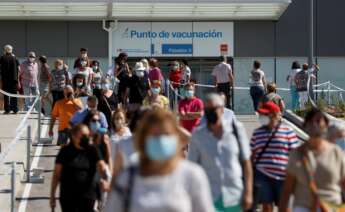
124, 149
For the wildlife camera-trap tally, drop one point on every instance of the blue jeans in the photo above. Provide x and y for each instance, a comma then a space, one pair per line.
29, 101
269, 189
256, 92
294, 97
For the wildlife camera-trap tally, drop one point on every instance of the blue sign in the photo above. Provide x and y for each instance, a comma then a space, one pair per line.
177, 48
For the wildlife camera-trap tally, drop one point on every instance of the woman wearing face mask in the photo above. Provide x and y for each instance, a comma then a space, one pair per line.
97, 78
138, 87
336, 134
59, 79
190, 109
316, 170
119, 129
155, 99
81, 91
75, 169
271, 145
84, 70
107, 101
162, 181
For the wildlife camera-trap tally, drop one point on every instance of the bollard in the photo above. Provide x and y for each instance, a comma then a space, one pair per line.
28, 153
13, 186
39, 120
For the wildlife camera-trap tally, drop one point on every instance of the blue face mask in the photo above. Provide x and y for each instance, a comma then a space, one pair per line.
341, 142
95, 126
189, 93
155, 90
161, 148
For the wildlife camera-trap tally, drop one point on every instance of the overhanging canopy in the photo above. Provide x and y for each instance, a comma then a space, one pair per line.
143, 9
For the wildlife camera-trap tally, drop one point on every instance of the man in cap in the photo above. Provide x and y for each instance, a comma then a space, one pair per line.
271, 145
221, 148
29, 78
9, 68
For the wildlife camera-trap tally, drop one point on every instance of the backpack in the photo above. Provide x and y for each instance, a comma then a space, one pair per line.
301, 81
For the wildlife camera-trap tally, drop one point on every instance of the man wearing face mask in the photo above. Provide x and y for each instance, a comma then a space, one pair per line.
83, 56
222, 148
29, 78
80, 115
138, 87
190, 109
63, 110
175, 75
9, 68
271, 145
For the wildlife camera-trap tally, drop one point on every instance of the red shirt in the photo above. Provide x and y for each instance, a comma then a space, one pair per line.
190, 105
155, 74
175, 78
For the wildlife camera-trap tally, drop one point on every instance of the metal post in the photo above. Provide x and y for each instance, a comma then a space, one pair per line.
13, 186
39, 120
28, 153
176, 100
167, 88
311, 47
329, 93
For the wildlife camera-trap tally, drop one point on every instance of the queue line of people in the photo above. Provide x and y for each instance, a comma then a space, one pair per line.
125, 157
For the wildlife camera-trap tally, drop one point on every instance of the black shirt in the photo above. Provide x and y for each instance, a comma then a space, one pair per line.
79, 167
107, 105
9, 68
138, 88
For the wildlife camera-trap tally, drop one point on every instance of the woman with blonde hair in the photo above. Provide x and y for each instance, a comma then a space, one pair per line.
162, 181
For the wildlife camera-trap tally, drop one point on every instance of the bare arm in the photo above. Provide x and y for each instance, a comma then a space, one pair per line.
289, 185
248, 185
54, 184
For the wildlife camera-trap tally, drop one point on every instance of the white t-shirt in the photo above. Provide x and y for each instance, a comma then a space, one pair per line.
257, 77
186, 189
116, 138
221, 72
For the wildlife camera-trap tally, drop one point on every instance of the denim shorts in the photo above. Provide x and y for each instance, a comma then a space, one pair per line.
63, 137
268, 189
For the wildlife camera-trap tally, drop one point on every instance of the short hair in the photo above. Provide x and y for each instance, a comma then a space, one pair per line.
296, 65
257, 64
185, 62
8, 47
83, 49
92, 99
314, 112
43, 59
58, 62
77, 128
153, 62
305, 66
215, 99
271, 87
95, 62
190, 84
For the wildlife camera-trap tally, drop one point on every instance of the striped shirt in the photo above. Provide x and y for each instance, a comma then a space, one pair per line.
274, 160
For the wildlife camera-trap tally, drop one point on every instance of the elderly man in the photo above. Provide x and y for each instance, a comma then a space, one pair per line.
29, 78
9, 68
64, 110
79, 116
271, 145
222, 148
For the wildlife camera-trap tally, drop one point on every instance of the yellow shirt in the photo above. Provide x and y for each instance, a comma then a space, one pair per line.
64, 109
161, 101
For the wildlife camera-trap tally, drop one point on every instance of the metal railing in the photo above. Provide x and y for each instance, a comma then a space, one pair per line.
23, 125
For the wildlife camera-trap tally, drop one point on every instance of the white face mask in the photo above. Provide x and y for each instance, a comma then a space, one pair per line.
31, 60
264, 120
139, 73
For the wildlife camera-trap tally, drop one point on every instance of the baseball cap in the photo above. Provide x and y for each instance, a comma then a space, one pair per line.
269, 107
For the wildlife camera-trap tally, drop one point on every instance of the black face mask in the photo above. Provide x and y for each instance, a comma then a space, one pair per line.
84, 141
69, 95
211, 115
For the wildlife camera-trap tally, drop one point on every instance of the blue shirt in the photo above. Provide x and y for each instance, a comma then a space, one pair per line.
221, 160
80, 115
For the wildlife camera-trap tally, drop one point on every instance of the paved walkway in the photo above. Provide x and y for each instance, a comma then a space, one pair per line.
35, 197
